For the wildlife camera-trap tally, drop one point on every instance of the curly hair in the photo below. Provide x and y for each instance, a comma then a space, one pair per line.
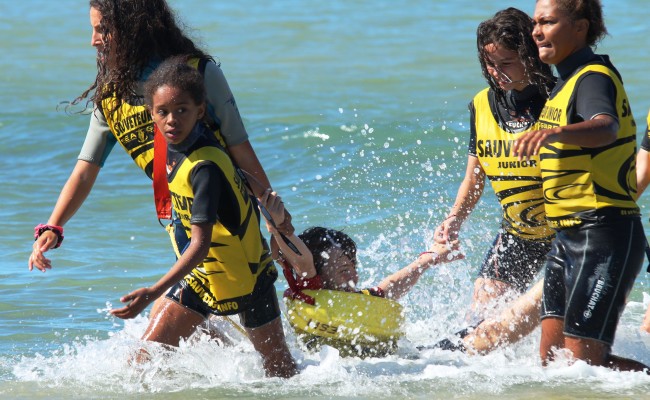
512, 29
319, 240
135, 33
592, 11
175, 72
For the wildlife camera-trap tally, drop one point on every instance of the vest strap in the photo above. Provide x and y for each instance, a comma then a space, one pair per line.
297, 285
161, 195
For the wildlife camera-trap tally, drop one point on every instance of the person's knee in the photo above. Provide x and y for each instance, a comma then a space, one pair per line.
489, 294
270, 343
170, 322
589, 350
269, 339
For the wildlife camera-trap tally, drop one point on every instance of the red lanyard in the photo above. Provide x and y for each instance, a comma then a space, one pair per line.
161, 195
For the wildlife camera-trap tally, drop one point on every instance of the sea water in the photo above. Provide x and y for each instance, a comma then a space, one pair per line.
358, 111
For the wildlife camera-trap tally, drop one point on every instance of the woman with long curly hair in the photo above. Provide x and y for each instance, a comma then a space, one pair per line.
132, 38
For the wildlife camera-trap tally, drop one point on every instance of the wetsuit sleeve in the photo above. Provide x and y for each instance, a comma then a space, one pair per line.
206, 179
595, 95
99, 140
471, 148
223, 107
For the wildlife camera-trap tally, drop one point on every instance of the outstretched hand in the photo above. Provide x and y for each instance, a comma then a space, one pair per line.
447, 231
43, 243
447, 252
138, 300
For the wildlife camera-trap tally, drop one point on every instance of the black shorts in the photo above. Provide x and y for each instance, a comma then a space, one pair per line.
589, 273
514, 260
263, 309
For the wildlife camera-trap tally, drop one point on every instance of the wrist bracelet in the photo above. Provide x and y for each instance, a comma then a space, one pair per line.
435, 256
58, 230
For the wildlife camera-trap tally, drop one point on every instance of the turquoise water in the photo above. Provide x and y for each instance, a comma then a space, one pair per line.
358, 112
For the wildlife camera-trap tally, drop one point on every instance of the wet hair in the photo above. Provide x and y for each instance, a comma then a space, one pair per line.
592, 11
141, 31
175, 72
320, 240
512, 29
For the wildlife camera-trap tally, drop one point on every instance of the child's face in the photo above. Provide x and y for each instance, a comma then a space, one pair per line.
340, 272
505, 67
175, 113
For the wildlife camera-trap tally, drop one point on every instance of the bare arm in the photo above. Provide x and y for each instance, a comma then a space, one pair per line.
194, 255
232, 127
642, 171
402, 281
514, 323
468, 195
245, 157
74, 193
302, 263
597, 132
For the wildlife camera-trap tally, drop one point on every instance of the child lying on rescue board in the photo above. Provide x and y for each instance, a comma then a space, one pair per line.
323, 302
321, 258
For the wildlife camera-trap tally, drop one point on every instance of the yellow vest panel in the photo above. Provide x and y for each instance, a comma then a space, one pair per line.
578, 179
227, 277
517, 184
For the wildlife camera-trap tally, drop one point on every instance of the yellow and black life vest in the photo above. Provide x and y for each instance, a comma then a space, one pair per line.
354, 323
578, 179
516, 183
131, 124
226, 279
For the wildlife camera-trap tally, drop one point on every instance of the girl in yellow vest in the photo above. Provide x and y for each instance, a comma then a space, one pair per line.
226, 267
518, 87
586, 143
